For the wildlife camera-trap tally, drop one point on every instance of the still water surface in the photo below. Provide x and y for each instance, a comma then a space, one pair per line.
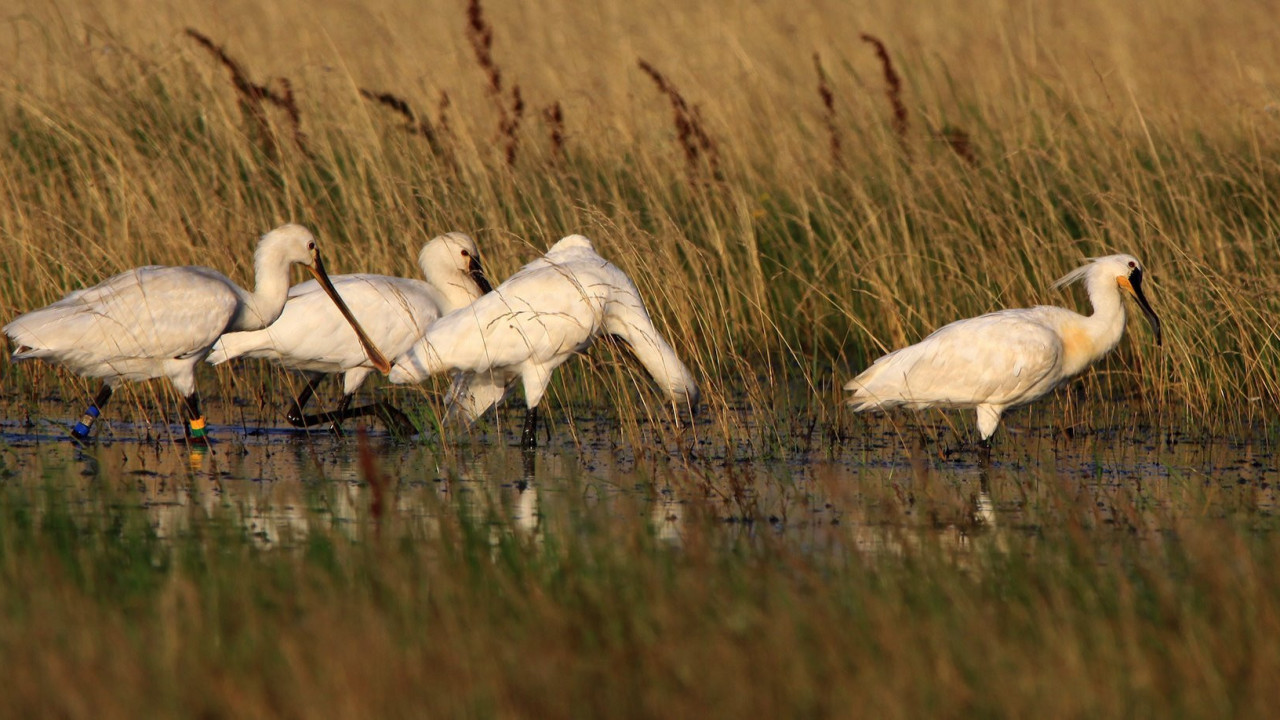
870, 488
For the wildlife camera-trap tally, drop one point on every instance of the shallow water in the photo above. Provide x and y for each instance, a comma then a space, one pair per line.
876, 489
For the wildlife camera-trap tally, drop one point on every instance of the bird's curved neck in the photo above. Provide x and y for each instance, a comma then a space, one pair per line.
1105, 326
270, 291
455, 289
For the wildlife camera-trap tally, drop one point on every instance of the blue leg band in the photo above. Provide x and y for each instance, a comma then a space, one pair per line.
81, 429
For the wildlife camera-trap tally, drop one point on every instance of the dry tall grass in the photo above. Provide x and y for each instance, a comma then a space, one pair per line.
1021, 139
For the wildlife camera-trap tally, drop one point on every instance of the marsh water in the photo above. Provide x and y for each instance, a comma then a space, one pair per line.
873, 488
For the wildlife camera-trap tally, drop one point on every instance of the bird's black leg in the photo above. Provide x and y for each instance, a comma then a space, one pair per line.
296, 415
195, 430
343, 412
981, 510
396, 420
82, 428
984, 455
529, 438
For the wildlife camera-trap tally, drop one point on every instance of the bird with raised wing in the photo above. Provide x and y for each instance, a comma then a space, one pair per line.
551, 309
313, 337
158, 321
1010, 357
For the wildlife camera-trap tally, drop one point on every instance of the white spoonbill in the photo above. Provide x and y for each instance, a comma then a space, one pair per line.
1010, 357
313, 337
162, 321
551, 309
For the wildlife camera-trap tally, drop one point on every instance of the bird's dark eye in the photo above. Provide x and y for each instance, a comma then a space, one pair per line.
1133, 264
312, 246
466, 254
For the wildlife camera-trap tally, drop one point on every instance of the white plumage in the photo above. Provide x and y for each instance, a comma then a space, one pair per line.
162, 321
312, 336
529, 325
1010, 357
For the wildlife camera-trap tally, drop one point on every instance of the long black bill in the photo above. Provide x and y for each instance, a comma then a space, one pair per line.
374, 354
1135, 279
477, 273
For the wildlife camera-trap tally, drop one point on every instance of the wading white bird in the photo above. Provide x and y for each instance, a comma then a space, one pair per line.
529, 325
1010, 357
162, 321
312, 336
